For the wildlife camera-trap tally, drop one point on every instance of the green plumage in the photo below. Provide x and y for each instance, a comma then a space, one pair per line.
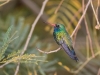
62, 38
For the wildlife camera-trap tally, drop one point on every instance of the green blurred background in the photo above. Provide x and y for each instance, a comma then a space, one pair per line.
22, 13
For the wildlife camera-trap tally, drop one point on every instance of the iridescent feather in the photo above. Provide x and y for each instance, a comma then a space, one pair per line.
62, 38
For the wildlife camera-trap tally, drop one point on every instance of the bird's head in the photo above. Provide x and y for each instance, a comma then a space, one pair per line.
59, 27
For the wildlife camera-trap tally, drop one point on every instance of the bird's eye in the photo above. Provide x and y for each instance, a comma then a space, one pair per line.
57, 25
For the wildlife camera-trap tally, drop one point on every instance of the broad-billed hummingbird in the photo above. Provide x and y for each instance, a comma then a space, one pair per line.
63, 39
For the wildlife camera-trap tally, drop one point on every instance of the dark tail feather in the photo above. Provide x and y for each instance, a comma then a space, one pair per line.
66, 49
76, 59
69, 52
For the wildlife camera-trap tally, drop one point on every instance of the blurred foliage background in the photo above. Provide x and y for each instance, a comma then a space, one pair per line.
22, 13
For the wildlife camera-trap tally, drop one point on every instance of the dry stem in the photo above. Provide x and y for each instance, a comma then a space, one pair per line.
88, 33
81, 18
30, 34
95, 13
82, 66
89, 37
6, 1
87, 46
59, 6
49, 51
98, 72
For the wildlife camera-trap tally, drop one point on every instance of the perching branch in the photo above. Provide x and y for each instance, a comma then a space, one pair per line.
80, 19
30, 34
49, 51
89, 38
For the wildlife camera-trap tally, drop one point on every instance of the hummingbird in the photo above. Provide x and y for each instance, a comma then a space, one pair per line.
63, 39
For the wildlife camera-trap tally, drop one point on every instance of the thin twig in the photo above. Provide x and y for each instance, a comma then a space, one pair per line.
34, 8
88, 33
4, 3
13, 35
98, 72
35, 72
2, 0
58, 6
83, 5
75, 16
11, 39
95, 13
89, 37
75, 35
87, 46
81, 18
97, 8
17, 69
1, 66
30, 34
49, 51
55, 73
80, 68
34, 24
97, 26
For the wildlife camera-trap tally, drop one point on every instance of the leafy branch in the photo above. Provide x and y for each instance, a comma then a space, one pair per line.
6, 41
